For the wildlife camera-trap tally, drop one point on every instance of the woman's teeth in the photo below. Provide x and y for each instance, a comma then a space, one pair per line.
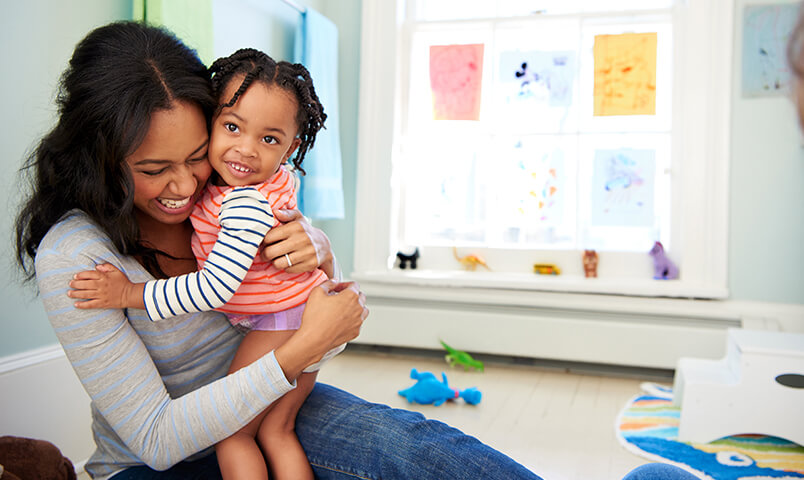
174, 203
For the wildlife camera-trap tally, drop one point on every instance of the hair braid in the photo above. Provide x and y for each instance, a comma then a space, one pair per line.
291, 77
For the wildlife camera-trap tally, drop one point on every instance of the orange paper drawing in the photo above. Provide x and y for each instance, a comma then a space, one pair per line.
625, 74
456, 73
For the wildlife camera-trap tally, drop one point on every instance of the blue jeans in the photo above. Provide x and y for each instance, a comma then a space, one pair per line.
659, 471
346, 437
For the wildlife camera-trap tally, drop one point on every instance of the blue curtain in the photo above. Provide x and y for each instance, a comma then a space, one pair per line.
321, 193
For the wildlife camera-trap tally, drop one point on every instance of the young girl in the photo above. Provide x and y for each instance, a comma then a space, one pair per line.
268, 111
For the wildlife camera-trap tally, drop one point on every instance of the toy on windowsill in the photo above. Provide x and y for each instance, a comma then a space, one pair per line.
458, 357
405, 259
546, 269
428, 389
471, 261
590, 263
663, 268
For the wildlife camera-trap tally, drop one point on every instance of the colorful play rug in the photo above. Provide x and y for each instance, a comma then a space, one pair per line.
648, 427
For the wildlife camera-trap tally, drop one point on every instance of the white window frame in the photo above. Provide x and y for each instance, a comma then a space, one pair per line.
702, 46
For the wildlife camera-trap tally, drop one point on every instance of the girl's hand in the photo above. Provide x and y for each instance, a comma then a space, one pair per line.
333, 316
306, 247
105, 287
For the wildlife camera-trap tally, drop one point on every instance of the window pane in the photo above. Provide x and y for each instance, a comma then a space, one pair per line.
443, 191
624, 192
432, 10
535, 170
534, 194
535, 86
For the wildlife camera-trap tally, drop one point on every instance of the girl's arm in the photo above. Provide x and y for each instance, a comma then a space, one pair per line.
245, 218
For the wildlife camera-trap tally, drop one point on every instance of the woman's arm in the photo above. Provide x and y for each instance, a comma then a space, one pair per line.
156, 386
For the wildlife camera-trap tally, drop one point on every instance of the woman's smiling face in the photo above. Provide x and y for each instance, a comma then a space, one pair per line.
170, 167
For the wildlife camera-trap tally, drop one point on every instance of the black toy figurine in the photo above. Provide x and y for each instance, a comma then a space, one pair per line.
405, 259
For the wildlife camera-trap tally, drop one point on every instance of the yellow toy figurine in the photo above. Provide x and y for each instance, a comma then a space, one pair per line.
471, 261
546, 269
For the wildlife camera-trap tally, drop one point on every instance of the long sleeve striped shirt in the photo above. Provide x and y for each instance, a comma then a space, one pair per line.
230, 223
160, 390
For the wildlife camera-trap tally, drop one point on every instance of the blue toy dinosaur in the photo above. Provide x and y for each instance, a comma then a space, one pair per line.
428, 389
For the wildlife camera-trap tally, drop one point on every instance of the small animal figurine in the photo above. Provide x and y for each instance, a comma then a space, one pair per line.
663, 268
590, 263
405, 259
428, 389
458, 357
546, 269
471, 261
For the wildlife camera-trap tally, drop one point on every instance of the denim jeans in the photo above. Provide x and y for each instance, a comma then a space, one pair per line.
659, 471
346, 437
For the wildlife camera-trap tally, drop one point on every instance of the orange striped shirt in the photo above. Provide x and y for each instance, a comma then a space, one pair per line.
265, 289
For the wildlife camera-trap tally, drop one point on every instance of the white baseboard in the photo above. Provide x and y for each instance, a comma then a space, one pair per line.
603, 329
43, 399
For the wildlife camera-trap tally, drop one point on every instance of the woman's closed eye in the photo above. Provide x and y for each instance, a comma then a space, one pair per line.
198, 159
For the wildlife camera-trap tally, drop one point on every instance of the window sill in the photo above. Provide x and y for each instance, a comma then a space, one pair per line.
545, 283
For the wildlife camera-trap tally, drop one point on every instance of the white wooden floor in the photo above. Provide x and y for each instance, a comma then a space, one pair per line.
560, 425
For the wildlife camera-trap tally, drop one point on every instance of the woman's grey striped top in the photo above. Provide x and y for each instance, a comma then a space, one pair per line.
159, 390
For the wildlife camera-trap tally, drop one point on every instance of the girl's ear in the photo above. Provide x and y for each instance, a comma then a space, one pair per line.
292, 149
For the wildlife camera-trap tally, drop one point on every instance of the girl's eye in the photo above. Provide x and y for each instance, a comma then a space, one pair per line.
269, 139
231, 127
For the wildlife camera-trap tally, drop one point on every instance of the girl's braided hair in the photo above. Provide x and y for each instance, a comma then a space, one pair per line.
291, 77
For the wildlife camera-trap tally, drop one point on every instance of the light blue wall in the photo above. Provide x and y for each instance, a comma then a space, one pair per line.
37, 38
346, 15
766, 196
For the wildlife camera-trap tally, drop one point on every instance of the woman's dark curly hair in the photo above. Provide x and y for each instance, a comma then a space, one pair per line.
118, 77
291, 77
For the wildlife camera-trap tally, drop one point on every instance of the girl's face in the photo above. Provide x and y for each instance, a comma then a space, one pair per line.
170, 167
252, 138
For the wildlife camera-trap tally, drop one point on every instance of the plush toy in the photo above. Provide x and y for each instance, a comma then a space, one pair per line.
26, 458
459, 357
663, 268
428, 389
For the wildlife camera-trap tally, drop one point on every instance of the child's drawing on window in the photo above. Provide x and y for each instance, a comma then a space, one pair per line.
623, 188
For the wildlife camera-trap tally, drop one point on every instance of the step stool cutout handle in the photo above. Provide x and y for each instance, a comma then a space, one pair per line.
792, 380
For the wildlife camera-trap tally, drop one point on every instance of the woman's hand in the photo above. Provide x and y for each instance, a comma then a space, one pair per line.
306, 247
332, 316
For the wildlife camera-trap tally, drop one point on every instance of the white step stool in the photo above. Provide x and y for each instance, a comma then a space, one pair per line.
741, 393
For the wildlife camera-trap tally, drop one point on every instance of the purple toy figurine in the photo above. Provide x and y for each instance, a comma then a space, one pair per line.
429, 390
663, 268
